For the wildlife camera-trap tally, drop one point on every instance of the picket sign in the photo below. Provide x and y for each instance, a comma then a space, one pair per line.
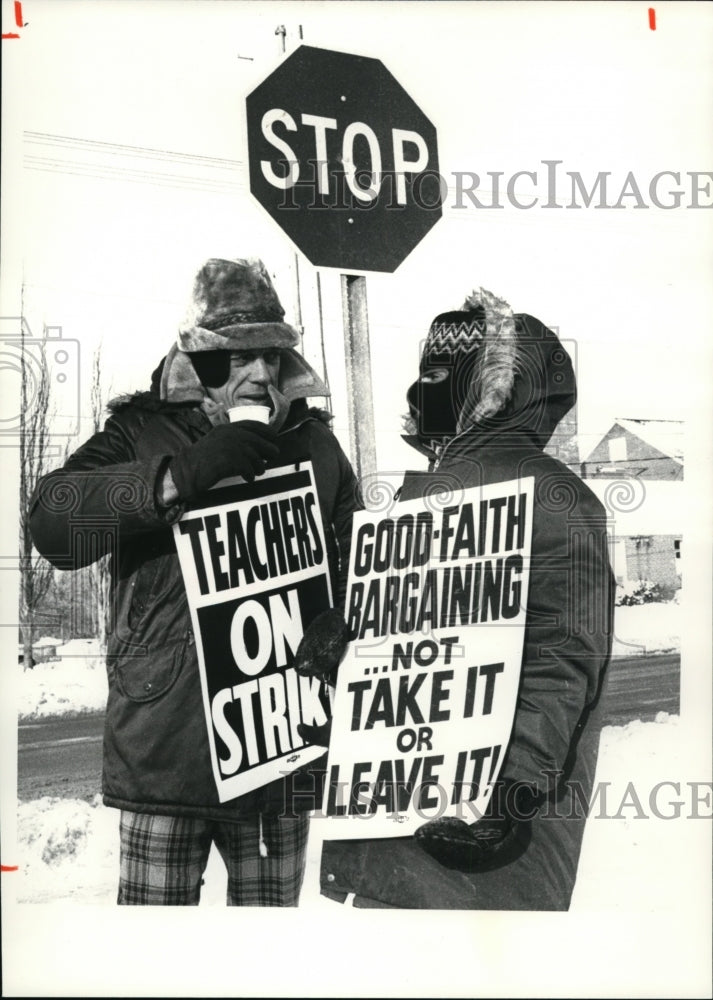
254, 564
425, 697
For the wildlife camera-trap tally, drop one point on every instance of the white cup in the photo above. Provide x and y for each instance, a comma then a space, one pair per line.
251, 412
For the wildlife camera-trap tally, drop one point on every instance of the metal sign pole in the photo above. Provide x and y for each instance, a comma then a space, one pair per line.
356, 344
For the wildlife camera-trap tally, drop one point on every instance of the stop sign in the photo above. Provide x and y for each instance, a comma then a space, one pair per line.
343, 160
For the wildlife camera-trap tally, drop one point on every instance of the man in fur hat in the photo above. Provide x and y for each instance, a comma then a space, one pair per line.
159, 450
491, 389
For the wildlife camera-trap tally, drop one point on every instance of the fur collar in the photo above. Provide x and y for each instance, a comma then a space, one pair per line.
151, 402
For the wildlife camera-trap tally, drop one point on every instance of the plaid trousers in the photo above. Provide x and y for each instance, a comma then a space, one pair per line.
163, 858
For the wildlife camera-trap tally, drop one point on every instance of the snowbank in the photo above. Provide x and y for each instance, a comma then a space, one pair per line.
630, 855
47, 640
72, 685
68, 850
647, 628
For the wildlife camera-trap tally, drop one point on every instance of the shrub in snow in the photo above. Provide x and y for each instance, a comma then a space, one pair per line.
63, 844
643, 592
54, 829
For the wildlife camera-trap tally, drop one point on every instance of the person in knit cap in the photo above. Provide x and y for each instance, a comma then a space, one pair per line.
159, 450
491, 389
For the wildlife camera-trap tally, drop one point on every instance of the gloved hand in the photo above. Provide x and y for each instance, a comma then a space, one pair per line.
241, 449
322, 646
319, 735
319, 654
501, 835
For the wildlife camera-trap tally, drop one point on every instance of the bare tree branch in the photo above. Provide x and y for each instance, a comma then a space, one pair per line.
99, 571
36, 573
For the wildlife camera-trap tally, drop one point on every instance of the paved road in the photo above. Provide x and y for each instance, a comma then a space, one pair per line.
641, 686
62, 757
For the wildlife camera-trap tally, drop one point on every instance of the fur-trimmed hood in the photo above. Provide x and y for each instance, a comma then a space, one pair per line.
523, 380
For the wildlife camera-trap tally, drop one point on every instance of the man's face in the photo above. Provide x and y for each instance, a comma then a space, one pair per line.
251, 372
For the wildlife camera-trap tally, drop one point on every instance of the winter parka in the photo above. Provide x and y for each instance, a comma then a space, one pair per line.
554, 742
156, 753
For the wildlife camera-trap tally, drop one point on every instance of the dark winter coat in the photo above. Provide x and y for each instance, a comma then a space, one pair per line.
156, 754
555, 737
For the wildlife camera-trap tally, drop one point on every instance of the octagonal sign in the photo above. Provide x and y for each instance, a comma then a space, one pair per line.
343, 160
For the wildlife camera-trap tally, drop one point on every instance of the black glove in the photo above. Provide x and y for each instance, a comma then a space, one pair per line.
242, 449
500, 836
319, 735
322, 646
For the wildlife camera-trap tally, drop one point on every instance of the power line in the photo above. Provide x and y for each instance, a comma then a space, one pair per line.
78, 143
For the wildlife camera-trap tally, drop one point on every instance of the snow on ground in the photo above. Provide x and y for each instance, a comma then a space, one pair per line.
68, 849
69, 852
72, 685
647, 628
637, 837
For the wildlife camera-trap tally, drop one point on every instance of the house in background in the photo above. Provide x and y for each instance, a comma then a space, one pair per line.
647, 449
563, 444
656, 558
650, 450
